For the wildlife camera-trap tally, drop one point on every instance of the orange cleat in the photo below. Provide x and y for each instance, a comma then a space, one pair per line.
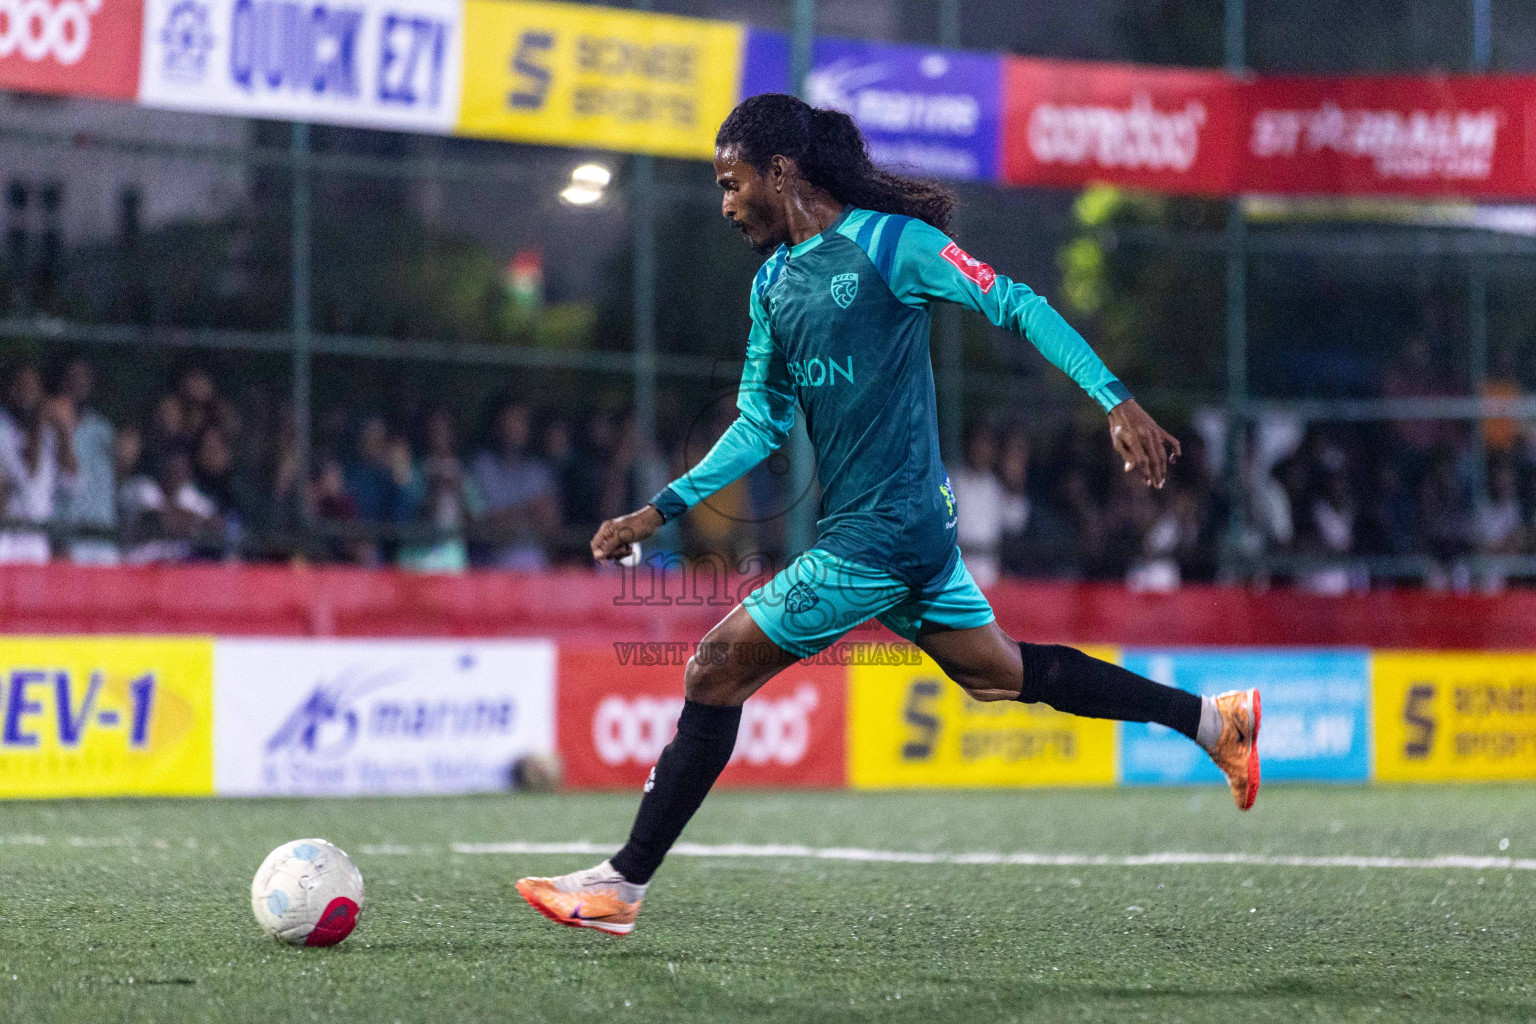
1237, 751
595, 898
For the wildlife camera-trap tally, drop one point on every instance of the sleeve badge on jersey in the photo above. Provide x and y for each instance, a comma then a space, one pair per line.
982, 275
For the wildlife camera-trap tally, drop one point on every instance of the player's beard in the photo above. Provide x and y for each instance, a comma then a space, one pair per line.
758, 212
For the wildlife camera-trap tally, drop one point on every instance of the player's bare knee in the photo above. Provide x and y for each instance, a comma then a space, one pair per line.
708, 681
985, 684
699, 680
984, 689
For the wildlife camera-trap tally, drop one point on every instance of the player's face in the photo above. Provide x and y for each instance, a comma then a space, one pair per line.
749, 202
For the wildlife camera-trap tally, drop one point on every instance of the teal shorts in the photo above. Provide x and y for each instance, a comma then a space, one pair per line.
819, 597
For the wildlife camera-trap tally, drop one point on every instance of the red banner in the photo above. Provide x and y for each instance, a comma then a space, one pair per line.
617, 708
1069, 123
1463, 136
75, 47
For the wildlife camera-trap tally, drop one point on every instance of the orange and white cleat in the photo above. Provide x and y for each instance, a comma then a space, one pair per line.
595, 898
1237, 750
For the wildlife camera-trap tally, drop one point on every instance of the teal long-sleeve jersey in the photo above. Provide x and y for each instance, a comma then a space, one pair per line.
840, 324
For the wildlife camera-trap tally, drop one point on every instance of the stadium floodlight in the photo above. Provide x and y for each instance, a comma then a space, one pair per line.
581, 195
587, 184
592, 175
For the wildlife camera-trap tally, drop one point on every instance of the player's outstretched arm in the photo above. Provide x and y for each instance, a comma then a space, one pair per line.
927, 265
765, 404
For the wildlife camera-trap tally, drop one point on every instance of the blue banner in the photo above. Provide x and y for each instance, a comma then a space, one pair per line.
922, 109
1316, 724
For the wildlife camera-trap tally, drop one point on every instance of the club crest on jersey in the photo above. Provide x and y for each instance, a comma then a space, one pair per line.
800, 598
980, 274
845, 288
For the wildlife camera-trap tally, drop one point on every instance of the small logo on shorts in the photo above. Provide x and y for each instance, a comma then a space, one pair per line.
845, 288
800, 598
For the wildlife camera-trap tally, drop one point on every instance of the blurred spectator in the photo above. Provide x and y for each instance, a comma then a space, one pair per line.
1035, 539
564, 464
167, 514
1414, 375
139, 500
215, 478
521, 503
337, 509
379, 479
447, 499
198, 397
598, 487
188, 515
1081, 510
1389, 522
88, 513
212, 468
168, 429
1171, 540
268, 484
1502, 433
1497, 525
1331, 527
1446, 518
1129, 516
37, 464
622, 476
980, 498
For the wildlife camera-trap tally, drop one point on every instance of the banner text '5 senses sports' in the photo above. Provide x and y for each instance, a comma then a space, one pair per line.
909, 726
1455, 716
572, 75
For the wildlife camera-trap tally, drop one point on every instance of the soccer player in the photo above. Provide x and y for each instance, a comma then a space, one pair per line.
840, 325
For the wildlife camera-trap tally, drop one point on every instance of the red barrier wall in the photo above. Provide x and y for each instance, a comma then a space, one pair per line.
577, 606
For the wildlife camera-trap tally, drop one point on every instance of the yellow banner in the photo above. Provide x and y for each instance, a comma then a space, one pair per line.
106, 716
1454, 716
572, 75
911, 727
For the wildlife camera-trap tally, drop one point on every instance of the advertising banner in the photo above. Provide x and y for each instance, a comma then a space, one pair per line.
1070, 123
1442, 717
1458, 136
619, 706
574, 75
925, 109
343, 717
373, 63
72, 47
106, 716
1316, 705
910, 727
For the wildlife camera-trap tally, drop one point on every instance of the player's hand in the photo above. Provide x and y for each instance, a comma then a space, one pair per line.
613, 538
1146, 447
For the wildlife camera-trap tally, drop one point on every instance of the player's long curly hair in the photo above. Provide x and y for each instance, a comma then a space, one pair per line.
829, 150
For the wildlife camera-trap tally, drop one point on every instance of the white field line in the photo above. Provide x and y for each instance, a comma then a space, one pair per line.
863, 856
1070, 860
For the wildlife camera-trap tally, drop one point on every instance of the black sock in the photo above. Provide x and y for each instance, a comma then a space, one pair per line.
1068, 680
687, 768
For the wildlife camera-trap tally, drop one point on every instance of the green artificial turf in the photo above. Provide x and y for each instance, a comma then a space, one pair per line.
139, 910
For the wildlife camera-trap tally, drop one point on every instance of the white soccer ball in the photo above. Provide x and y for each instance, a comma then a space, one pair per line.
307, 893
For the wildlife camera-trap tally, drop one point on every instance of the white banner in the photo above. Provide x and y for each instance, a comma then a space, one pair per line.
337, 717
375, 63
